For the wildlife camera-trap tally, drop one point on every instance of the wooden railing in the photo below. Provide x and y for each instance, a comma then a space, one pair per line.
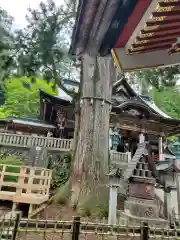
18, 181
29, 141
119, 157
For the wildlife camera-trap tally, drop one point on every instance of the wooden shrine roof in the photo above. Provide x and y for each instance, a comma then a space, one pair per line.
132, 111
168, 167
25, 124
143, 33
136, 113
49, 105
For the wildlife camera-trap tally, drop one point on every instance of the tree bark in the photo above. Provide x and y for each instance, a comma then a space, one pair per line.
76, 126
77, 112
91, 157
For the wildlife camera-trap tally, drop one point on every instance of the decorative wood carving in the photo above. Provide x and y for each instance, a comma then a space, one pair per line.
61, 118
133, 112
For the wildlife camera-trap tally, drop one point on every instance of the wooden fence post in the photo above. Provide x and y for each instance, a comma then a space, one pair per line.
16, 225
76, 228
145, 231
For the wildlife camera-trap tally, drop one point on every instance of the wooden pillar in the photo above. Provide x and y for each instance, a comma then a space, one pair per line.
178, 194
45, 107
14, 206
112, 205
129, 156
141, 138
167, 203
160, 146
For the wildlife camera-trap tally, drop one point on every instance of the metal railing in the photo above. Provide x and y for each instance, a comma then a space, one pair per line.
19, 228
29, 141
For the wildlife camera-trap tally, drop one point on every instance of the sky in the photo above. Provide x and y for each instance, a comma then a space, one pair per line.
18, 9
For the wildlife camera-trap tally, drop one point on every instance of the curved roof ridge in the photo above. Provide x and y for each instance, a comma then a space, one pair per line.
147, 100
153, 105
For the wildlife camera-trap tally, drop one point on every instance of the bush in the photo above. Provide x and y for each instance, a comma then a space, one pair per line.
85, 212
102, 211
61, 170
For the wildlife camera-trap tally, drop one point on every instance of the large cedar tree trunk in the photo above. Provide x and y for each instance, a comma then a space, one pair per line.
88, 179
76, 126
77, 113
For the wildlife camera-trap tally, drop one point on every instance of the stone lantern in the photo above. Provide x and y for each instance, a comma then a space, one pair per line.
115, 176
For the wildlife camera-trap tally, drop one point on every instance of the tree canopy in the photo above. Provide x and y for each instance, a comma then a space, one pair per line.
22, 97
168, 100
39, 51
41, 48
6, 43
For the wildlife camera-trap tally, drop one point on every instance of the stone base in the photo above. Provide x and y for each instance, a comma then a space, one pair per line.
127, 219
142, 208
137, 210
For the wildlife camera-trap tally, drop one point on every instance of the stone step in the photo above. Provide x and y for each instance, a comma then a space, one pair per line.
132, 165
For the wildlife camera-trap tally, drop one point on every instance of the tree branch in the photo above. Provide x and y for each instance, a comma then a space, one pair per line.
58, 81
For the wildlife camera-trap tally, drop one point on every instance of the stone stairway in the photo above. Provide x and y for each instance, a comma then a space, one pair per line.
142, 168
132, 165
129, 170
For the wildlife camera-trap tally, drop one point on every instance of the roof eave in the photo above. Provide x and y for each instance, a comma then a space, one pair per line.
89, 30
80, 12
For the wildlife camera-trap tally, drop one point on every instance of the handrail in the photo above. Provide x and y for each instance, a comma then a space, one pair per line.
119, 157
36, 141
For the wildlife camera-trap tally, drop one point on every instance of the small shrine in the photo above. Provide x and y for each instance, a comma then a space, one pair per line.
58, 111
148, 188
33, 140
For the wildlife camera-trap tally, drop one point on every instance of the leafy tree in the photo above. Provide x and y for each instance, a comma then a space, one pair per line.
43, 44
41, 48
22, 97
168, 100
158, 78
6, 42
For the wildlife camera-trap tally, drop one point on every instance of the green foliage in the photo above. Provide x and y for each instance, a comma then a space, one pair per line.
4, 112
60, 179
22, 97
102, 211
85, 212
158, 78
41, 48
42, 45
61, 170
6, 42
168, 100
